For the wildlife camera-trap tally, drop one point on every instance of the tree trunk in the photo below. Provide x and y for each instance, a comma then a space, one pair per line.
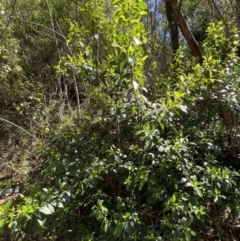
238, 13
187, 34
173, 26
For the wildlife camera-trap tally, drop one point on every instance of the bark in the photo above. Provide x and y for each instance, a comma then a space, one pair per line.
173, 26
187, 34
77, 95
238, 13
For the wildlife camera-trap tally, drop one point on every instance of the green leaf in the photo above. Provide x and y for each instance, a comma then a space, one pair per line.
174, 198
142, 4
143, 13
116, 231
135, 85
106, 226
141, 82
126, 215
184, 108
7, 205
51, 208
103, 209
181, 78
198, 191
99, 177
2, 223
187, 235
98, 214
41, 222
122, 65
136, 41
45, 210
128, 229
116, 2
57, 203
48, 209
141, 184
162, 126
134, 109
131, 61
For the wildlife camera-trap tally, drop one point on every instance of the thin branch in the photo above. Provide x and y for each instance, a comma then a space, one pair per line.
47, 35
62, 34
47, 28
19, 127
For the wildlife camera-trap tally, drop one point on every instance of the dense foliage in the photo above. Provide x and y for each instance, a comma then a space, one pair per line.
118, 138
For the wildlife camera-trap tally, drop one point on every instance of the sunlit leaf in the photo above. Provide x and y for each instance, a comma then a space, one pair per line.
2, 223
174, 198
184, 108
198, 191
135, 85
136, 41
41, 222
48, 209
